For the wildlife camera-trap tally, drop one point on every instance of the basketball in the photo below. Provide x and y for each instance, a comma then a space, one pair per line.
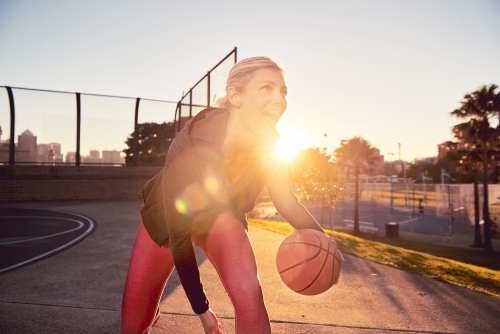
309, 262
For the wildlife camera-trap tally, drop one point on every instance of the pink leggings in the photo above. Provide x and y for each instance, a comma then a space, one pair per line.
229, 250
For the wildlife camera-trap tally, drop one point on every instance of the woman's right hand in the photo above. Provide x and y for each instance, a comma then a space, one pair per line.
210, 322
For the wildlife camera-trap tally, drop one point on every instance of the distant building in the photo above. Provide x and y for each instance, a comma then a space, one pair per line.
56, 147
54, 154
112, 157
42, 152
24, 151
57, 150
20, 154
70, 157
399, 165
27, 141
427, 160
94, 157
95, 154
379, 164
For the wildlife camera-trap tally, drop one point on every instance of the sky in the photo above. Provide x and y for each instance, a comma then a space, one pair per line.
390, 71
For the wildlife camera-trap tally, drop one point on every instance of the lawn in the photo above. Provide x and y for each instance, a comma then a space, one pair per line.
447, 263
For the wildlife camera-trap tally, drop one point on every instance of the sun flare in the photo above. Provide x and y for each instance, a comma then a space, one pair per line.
290, 143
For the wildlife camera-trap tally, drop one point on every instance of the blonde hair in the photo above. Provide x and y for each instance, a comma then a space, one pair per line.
241, 73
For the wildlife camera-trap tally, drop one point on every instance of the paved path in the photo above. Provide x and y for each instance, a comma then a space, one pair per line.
79, 290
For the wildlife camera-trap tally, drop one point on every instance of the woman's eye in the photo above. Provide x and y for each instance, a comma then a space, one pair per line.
267, 87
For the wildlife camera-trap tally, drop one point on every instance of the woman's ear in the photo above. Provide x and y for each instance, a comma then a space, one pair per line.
233, 96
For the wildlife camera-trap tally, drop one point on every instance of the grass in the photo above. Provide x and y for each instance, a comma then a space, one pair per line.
472, 256
400, 255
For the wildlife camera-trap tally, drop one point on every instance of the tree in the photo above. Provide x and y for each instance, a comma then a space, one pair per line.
153, 143
358, 156
315, 177
467, 161
477, 108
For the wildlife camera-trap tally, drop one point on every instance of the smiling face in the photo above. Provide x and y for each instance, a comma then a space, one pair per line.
262, 102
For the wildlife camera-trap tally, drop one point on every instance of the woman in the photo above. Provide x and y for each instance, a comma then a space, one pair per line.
214, 170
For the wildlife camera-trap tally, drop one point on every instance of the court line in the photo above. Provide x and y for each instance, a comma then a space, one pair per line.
361, 223
87, 232
46, 236
408, 221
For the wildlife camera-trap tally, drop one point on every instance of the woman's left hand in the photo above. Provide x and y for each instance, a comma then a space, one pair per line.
210, 323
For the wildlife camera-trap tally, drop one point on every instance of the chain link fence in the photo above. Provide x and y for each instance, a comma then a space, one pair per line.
425, 208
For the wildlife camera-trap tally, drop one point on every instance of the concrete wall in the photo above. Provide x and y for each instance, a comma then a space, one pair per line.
36, 182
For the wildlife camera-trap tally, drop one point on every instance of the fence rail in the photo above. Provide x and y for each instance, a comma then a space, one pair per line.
205, 91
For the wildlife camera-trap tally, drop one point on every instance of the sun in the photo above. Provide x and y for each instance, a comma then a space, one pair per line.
290, 143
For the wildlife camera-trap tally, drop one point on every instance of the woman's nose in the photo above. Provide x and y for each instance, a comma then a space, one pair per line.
279, 100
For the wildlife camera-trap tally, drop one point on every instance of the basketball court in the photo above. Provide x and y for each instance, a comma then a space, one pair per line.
30, 235
80, 289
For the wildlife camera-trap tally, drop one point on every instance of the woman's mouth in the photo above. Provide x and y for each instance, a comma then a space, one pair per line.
272, 117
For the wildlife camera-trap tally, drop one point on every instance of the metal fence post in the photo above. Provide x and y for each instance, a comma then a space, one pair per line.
180, 118
235, 55
190, 103
136, 131
208, 89
175, 120
12, 146
78, 126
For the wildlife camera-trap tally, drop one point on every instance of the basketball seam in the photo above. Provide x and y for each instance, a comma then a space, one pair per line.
319, 272
302, 262
306, 243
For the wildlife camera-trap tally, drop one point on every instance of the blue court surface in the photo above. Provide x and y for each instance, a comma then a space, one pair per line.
31, 235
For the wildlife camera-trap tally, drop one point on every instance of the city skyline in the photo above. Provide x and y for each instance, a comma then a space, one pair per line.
42, 152
27, 149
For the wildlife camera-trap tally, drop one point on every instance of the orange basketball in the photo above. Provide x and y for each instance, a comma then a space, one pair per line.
309, 262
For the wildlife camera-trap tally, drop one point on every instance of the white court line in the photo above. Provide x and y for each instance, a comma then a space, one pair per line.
46, 236
91, 227
407, 221
362, 223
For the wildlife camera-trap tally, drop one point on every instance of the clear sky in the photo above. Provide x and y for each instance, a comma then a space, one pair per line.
390, 71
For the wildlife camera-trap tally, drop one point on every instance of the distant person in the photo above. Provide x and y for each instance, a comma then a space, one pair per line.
214, 171
420, 209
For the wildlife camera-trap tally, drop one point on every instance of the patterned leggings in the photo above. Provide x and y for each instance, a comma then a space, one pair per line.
229, 250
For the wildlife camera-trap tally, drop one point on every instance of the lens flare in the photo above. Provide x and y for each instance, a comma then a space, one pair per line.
180, 205
211, 185
290, 143
192, 199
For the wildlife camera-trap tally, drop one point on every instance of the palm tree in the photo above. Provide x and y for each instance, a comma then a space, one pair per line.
477, 109
359, 156
467, 161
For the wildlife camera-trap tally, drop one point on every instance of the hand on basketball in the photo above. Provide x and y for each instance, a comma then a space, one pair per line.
210, 323
338, 254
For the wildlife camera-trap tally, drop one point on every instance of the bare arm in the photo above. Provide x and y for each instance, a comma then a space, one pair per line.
280, 191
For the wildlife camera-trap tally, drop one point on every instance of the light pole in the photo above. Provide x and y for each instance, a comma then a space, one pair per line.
390, 180
444, 174
404, 174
